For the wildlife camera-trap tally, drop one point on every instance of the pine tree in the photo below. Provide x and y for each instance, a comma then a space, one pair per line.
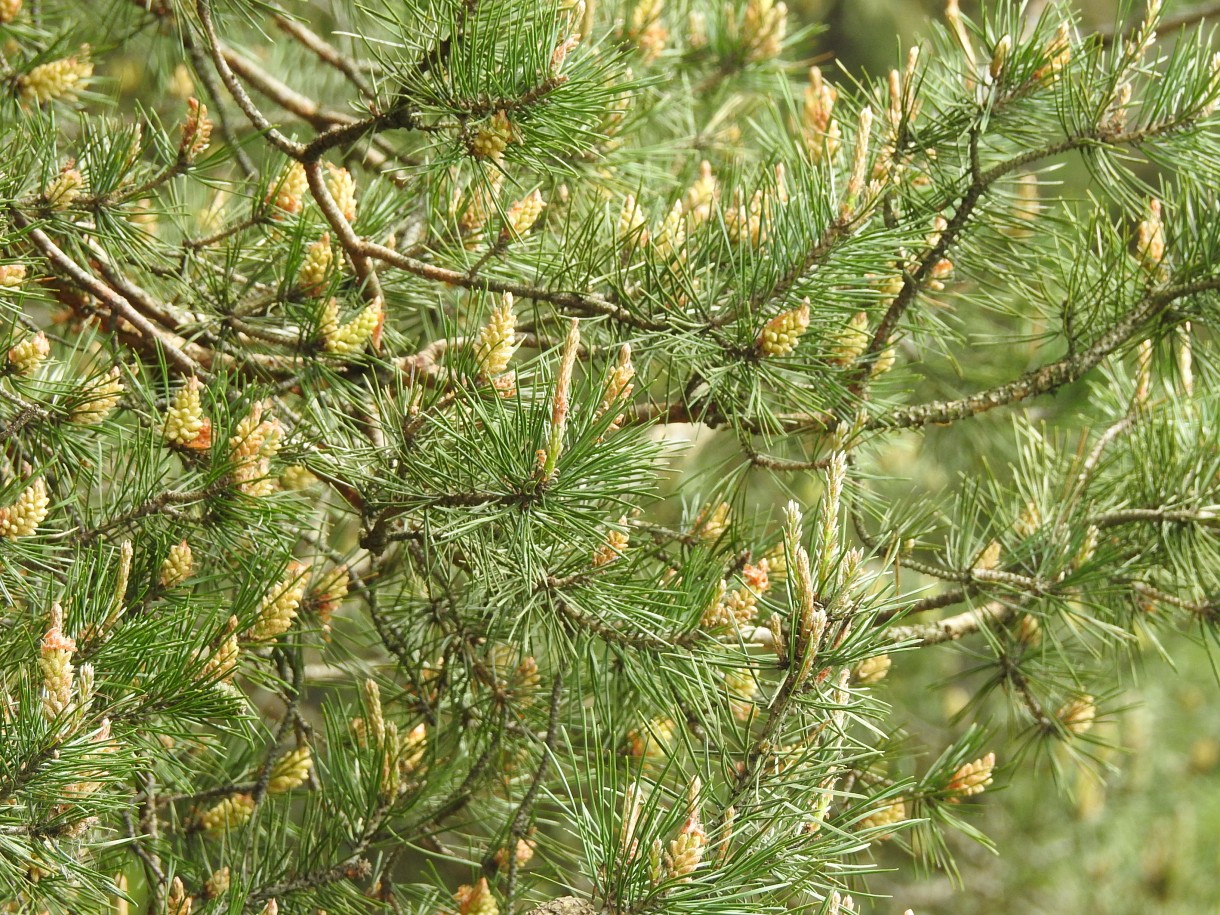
448, 444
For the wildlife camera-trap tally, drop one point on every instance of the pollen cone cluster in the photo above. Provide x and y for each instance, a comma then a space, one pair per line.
782, 333
185, 424
55, 80
279, 607
21, 519
495, 344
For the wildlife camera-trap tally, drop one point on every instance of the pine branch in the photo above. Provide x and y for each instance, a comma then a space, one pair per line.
950, 629
1051, 376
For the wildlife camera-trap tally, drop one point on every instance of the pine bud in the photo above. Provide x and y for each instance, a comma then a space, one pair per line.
1057, 54
999, 57
989, 558
230, 813
850, 341
391, 766
953, 15
21, 519
746, 223
1027, 206
1078, 714
279, 606
849, 568
290, 770
836, 476
1029, 630
757, 576
66, 187
523, 214
872, 670
648, 30
938, 273
1143, 37
177, 902
685, 853
178, 565
55, 665
715, 615
742, 691
315, 269
477, 899
777, 564
652, 740
894, 114
713, 522
12, 275
375, 723
764, 26
185, 424
671, 234
9, 10
633, 807
196, 130
495, 345
781, 334
97, 398
287, 195
740, 608
86, 679
656, 861
493, 137
893, 812
615, 546
345, 339
560, 403
1143, 371
411, 749
859, 168
25, 357
972, 778
701, 195
841, 905
822, 132
560, 55
342, 187
217, 884
631, 220
253, 445
696, 29
57, 79
812, 619
1088, 546
523, 853
223, 662
296, 477
619, 384
1150, 239
271, 908
479, 207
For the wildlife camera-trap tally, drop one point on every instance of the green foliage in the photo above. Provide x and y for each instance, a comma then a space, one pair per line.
394, 448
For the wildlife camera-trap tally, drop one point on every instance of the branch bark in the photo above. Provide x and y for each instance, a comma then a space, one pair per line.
995, 613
